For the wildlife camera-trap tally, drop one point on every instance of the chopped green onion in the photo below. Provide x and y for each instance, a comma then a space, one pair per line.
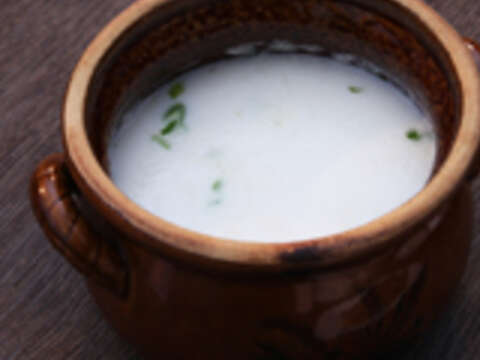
355, 89
175, 112
161, 141
170, 127
413, 134
176, 90
217, 185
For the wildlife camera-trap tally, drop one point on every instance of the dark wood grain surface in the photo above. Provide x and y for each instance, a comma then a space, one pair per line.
45, 310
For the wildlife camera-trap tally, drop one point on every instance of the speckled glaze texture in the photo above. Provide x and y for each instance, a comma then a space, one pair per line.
311, 301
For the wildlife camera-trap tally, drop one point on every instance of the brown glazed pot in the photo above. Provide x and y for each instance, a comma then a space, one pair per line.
177, 294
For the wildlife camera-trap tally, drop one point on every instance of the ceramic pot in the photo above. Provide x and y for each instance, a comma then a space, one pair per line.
177, 294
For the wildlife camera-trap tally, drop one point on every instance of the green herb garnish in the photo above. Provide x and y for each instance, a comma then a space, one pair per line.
414, 135
176, 112
176, 90
170, 127
161, 141
355, 89
217, 185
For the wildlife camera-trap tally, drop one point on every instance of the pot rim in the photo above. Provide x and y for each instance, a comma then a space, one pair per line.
157, 233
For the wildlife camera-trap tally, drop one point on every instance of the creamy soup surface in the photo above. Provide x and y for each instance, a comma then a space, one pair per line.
273, 148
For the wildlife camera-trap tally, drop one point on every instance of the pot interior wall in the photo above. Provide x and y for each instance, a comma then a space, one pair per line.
180, 35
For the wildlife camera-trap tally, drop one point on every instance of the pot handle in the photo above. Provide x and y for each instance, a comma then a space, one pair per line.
474, 48
52, 193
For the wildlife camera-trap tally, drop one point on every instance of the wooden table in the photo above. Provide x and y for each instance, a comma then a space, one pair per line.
45, 310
